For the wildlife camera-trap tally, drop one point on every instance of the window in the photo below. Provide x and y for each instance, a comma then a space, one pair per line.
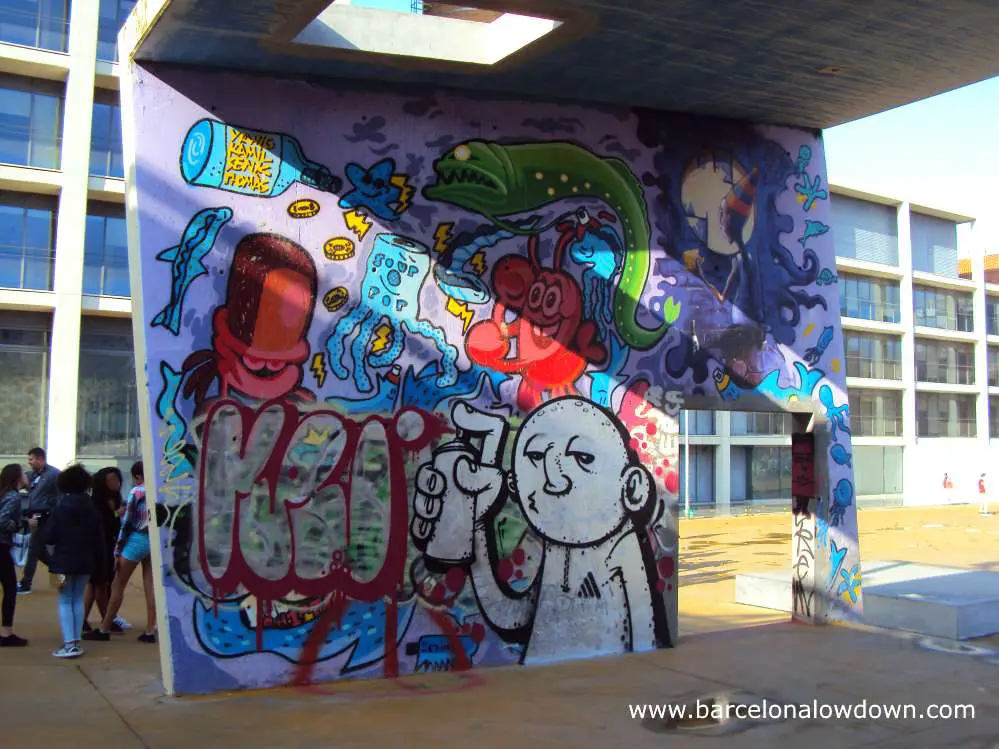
112, 17
873, 356
108, 412
877, 470
24, 362
945, 415
934, 245
769, 472
27, 241
992, 316
701, 422
946, 363
35, 23
105, 251
994, 417
30, 118
766, 424
875, 413
869, 298
993, 359
702, 475
947, 310
864, 231
105, 138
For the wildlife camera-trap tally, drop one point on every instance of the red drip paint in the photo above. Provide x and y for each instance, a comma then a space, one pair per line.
263, 609
461, 660
391, 662
329, 619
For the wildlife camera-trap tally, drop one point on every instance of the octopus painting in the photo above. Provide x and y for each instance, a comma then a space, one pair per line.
388, 309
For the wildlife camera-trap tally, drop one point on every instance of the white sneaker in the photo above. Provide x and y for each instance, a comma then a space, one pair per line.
68, 651
121, 622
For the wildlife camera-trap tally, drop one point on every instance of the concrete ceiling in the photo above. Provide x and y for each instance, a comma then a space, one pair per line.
756, 59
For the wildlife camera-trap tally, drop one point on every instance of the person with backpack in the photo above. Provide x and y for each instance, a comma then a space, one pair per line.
12, 481
74, 551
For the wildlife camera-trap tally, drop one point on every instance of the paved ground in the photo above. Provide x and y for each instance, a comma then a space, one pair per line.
112, 694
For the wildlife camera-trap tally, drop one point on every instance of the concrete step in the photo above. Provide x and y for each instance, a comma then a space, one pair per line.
946, 602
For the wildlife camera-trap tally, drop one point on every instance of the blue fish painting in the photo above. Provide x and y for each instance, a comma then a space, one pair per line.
186, 262
841, 456
826, 277
812, 229
225, 633
421, 390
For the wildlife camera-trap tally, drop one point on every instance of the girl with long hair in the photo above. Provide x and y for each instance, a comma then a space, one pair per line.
109, 504
12, 481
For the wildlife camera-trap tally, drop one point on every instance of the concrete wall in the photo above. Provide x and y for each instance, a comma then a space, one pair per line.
414, 365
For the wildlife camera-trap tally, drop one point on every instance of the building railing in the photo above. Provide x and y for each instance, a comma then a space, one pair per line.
39, 152
875, 426
31, 28
865, 309
956, 374
934, 427
106, 160
876, 369
962, 322
26, 267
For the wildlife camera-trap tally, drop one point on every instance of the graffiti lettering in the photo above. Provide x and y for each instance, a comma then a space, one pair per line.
803, 566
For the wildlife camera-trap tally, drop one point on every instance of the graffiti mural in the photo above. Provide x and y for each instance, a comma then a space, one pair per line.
421, 413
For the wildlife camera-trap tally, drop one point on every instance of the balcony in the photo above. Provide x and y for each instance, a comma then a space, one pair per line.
32, 27
873, 369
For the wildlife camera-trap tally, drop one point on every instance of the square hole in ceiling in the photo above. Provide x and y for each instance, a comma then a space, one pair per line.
429, 30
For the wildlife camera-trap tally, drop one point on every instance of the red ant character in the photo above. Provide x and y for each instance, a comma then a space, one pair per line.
537, 328
259, 335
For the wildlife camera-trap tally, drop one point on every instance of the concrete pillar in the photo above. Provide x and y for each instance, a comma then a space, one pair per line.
907, 319
979, 307
723, 463
68, 285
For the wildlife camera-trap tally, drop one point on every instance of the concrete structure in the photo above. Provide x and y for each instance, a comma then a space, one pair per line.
66, 350
739, 320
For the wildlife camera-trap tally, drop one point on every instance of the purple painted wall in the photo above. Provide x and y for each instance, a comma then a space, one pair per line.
415, 364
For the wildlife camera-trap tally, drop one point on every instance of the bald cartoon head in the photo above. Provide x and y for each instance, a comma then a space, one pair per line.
575, 477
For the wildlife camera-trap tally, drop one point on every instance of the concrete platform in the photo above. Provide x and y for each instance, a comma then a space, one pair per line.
948, 602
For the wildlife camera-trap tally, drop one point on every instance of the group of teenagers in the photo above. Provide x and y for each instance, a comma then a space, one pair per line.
89, 537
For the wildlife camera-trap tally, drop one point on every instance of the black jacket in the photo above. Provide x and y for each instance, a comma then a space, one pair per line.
74, 537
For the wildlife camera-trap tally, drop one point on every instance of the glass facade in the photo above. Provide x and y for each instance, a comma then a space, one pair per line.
947, 310
24, 364
105, 137
701, 422
934, 245
35, 23
702, 475
994, 417
946, 363
746, 423
877, 470
30, 121
869, 298
112, 15
864, 231
761, 473
27, 241
873, 356
992, 316
945, 415
993, 358
107, 420
875, 413
105, 251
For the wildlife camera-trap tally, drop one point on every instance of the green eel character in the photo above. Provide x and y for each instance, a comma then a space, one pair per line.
498, 181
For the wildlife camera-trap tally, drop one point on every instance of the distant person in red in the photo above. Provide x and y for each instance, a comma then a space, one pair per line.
983, 496
948, 484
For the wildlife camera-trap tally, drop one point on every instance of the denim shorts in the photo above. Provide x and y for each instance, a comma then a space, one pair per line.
136, 546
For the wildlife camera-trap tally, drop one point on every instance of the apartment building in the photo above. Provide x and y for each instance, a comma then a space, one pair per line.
922, 326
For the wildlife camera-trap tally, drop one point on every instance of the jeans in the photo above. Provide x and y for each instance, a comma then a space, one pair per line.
71, 607
34, 551
8, 581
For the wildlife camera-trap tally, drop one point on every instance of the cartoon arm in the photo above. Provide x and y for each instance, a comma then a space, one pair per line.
478, 483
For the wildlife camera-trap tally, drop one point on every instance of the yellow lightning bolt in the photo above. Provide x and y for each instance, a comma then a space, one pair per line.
315, 437
357, 223
318, 368
381, 338
405, 191
461, 311
478, 262
442, 235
